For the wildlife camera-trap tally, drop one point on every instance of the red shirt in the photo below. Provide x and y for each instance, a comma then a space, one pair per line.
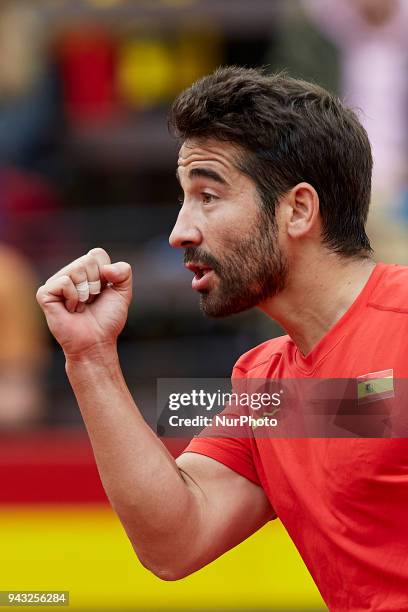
343, 501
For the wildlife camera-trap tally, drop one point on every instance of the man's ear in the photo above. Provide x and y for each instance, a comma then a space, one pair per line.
302, 210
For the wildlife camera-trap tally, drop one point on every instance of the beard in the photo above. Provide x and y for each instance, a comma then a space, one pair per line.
250, 271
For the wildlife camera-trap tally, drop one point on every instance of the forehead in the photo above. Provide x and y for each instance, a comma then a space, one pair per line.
213, 153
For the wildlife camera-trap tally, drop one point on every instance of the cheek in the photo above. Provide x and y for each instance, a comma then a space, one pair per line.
230, 225
232, 229
225, 242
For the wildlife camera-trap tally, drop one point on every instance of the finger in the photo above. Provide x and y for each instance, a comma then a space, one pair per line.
61, 289
120, 275
98, 253
66, 269
99, 257
79, 276
87, 275
80, 307
93, 273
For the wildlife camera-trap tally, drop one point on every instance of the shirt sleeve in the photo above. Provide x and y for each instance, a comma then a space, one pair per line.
238, 451
235, 453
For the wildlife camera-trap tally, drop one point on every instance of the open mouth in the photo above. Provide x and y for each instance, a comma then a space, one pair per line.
202, 272
198, 269
202, 275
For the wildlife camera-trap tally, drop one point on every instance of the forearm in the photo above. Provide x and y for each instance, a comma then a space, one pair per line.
158, 508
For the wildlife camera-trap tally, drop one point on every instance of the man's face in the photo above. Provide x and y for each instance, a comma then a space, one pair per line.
230, 243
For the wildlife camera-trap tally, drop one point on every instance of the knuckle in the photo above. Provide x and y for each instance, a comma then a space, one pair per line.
99, 251
90, 260
128, 266
79, 269
65, 281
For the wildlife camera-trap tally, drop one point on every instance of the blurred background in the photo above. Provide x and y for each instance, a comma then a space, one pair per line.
85, 161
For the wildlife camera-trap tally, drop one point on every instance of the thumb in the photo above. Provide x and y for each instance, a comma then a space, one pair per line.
120, 275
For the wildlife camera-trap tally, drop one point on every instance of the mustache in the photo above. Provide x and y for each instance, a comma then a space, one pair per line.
195, 255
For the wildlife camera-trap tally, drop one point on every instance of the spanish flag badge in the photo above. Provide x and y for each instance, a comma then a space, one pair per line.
375, 386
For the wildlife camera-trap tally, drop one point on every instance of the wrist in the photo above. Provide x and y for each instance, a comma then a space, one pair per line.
102, 355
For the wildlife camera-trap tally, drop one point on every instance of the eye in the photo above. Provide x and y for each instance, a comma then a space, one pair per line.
208, 198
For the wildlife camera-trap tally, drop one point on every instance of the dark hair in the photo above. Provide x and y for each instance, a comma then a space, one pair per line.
289, 131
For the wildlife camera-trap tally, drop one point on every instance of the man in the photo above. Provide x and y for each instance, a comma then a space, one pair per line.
276, 179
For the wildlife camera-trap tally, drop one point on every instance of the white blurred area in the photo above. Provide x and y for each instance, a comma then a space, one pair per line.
373, 42
371, 36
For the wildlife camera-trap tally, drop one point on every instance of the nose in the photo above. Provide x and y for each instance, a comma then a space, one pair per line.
185, 233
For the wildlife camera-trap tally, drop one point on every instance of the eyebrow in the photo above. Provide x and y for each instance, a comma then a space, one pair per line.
206, 173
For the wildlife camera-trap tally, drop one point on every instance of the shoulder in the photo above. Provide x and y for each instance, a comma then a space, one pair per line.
260, 355
391, 291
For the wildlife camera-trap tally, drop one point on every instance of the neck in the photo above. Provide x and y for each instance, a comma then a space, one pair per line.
316, 296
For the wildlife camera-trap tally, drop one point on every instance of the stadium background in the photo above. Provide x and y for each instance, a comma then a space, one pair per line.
85, 160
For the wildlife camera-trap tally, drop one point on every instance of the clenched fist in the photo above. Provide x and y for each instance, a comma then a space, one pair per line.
86, 303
